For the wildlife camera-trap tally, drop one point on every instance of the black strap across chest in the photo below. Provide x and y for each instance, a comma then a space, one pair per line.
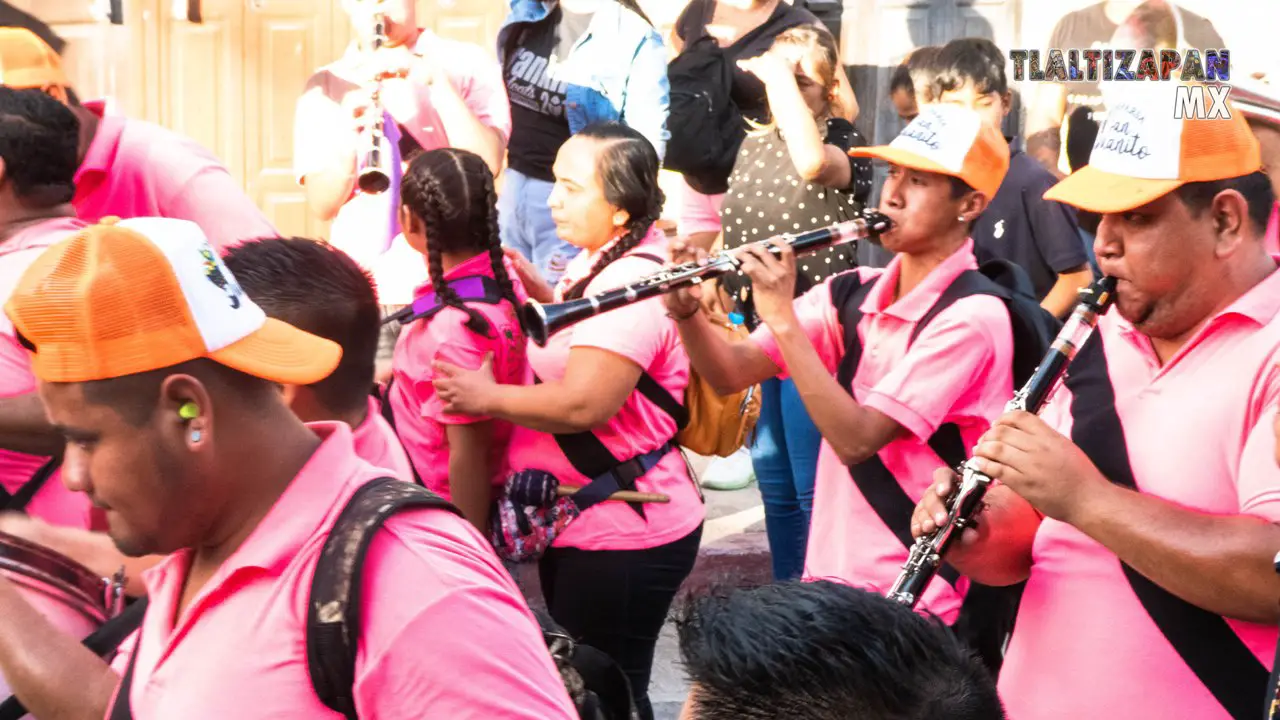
18, 502
877, 484
1204, 640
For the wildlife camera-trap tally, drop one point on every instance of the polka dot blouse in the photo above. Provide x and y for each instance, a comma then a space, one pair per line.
768, 197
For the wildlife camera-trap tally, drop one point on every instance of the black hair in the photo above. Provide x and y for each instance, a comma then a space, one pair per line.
1082, 131
825, 651
634, 7
970, 60
451, 192
320, 289
135, 396
901, 80
628, 170
959, 188
1255, 187
922, 67
39, 143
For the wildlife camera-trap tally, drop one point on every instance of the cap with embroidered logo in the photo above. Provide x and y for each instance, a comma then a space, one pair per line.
949, 140
129, 296
1144, 151
26, 61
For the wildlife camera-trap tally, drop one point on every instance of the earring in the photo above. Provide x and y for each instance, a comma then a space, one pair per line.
960, 218
196, 436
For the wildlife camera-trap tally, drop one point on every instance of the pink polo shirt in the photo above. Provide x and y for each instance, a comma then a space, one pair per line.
53, 503
435, 597
366, 225
1199, 433
135, 168
377, 444
958, 370
642, 333
420, 417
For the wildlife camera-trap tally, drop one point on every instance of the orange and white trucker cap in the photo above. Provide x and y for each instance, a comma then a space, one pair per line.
949, 140
129, 296
1144, 151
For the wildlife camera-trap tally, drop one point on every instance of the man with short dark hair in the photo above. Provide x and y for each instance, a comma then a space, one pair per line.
888, 388
132, 168
1019, 225
315, 287
1142, 507
38, 137
903, 94
163, 376
825, 651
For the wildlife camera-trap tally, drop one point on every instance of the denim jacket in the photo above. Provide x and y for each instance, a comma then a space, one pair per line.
617, 71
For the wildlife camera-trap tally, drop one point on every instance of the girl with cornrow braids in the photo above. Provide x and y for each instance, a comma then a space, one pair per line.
449, 214
610, 577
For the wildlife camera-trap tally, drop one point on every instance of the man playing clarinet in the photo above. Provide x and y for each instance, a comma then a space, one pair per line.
1149, 483
894, 375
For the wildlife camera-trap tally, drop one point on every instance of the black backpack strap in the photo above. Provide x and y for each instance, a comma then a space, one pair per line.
1204, 640
19, 501
470, 288
660, 396
383, 395
333, 610
103, 641
847, 294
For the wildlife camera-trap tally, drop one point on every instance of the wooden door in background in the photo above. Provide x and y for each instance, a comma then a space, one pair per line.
105, 60
285, 41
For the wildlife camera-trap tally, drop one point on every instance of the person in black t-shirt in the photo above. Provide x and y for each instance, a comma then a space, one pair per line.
1019, 225
792, 176
1095, 27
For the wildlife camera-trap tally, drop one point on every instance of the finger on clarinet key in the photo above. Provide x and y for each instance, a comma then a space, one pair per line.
621, 495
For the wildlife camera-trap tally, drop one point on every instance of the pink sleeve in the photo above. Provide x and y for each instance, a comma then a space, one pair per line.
1258, 478
819, 322
479, 81
469, 614
215, 202
637, 331
951, 356
453, 343
698, 213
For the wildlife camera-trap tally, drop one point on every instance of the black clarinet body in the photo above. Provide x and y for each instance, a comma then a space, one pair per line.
542, 321
966, 501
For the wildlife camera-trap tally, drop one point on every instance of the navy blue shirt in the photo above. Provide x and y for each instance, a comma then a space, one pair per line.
1022, 227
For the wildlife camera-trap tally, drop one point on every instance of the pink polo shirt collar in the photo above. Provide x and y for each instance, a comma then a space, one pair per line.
913, 306
294, 518
106, 141
1257, 306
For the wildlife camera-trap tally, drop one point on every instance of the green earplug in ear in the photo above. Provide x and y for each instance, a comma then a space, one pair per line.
189, 411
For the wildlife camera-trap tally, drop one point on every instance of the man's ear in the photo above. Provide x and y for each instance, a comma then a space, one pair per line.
1229, 212
290, 393
972, 206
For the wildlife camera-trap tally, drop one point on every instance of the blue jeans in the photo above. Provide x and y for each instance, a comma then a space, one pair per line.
784, 455
524, 221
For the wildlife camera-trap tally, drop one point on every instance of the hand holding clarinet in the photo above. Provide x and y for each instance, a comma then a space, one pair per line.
1040, 465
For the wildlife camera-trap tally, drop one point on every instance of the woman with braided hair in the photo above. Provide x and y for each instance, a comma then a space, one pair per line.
610, 577
449, 214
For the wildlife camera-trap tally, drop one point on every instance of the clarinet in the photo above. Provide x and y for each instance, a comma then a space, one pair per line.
374, 176
964, 503
542, 321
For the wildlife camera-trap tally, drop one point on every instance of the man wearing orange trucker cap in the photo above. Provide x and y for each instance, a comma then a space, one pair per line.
1150, 588
879, 378
162, 375
131, 168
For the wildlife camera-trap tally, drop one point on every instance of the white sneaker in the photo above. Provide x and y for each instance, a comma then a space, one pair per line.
729, 473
